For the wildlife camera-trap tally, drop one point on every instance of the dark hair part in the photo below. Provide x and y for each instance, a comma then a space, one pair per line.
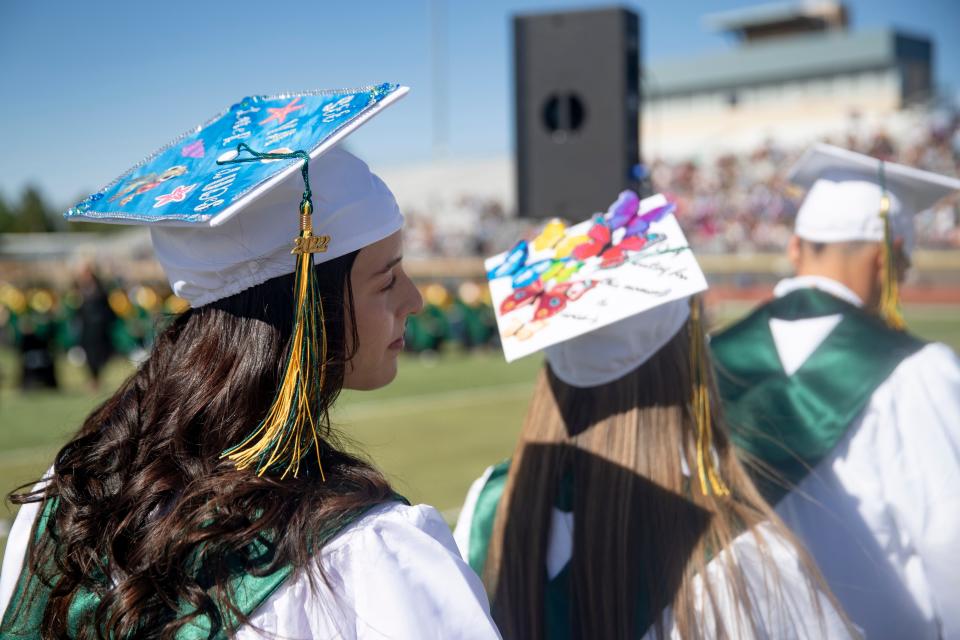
143, 498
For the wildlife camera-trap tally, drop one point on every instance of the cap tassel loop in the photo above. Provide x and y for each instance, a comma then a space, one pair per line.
889, 286
710, 480
289, 431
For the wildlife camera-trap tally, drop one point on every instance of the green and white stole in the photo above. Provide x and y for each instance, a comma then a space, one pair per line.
24, 613
790, 423
556, 591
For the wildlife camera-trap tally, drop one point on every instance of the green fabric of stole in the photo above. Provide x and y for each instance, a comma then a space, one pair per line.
558, 611
484, 513
24, 613
792, 422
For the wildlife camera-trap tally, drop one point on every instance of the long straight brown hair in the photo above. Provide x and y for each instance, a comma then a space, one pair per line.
642, 526
143, 498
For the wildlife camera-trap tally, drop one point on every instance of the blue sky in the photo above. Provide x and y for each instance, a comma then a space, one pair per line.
89, 88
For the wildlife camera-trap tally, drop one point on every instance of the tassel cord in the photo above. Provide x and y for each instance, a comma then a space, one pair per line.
257, 156
889, 286
280, 441
710, 481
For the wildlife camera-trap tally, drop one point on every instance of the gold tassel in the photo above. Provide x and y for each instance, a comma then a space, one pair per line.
706, 468
281, 439
889, 286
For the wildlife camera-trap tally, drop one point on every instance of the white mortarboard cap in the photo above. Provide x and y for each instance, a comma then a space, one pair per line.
613, 351
843, 195
351, 205
219, 229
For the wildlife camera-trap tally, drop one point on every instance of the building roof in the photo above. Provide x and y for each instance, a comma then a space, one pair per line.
777, 60
770, 13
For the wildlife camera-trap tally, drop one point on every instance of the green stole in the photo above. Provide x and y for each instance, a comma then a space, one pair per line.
556, 592
790, 423
250, 591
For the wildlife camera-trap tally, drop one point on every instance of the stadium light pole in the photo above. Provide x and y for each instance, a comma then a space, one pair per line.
438, 22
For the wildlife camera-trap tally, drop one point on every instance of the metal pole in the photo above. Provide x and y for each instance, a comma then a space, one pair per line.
438, 20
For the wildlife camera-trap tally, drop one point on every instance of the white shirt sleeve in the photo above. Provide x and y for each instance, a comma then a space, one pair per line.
396, 573
461, 533
920, 473
16, 552
18, 541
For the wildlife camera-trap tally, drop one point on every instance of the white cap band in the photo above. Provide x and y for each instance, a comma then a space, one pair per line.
611, 352
351, 205
837, 210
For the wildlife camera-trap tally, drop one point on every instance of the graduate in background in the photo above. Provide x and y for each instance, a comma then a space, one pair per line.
851, 423
95, 319
624, 512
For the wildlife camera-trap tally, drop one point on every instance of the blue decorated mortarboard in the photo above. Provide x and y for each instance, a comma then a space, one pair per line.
230, 205
183, 184
222, 200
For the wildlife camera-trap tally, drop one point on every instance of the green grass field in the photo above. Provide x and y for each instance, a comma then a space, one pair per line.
432, 431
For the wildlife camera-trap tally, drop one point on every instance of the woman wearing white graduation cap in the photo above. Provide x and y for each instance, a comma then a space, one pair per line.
854, 424
623, 512
209, 497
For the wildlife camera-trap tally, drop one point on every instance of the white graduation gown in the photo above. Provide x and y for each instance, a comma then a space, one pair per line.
881, 514
394, 573
791, 614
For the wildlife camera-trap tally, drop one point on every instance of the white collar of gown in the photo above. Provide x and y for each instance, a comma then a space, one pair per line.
823, 283
796, 340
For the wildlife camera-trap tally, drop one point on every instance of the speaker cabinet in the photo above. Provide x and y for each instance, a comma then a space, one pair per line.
577, 110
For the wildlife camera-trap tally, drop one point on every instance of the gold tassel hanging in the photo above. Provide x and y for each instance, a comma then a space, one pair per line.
289, 430
889, 284
710, 480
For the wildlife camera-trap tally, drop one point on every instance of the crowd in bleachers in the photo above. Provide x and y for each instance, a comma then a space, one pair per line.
488, 230
744, 203
734, 202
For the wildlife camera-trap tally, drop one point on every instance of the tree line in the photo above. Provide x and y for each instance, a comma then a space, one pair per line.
30, 212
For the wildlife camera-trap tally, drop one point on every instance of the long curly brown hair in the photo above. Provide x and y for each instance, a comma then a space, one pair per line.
143, 498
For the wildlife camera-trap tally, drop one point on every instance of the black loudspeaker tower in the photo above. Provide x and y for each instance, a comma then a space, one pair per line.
577, 78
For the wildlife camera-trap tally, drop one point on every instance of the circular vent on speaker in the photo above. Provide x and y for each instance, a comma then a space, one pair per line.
563, 115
